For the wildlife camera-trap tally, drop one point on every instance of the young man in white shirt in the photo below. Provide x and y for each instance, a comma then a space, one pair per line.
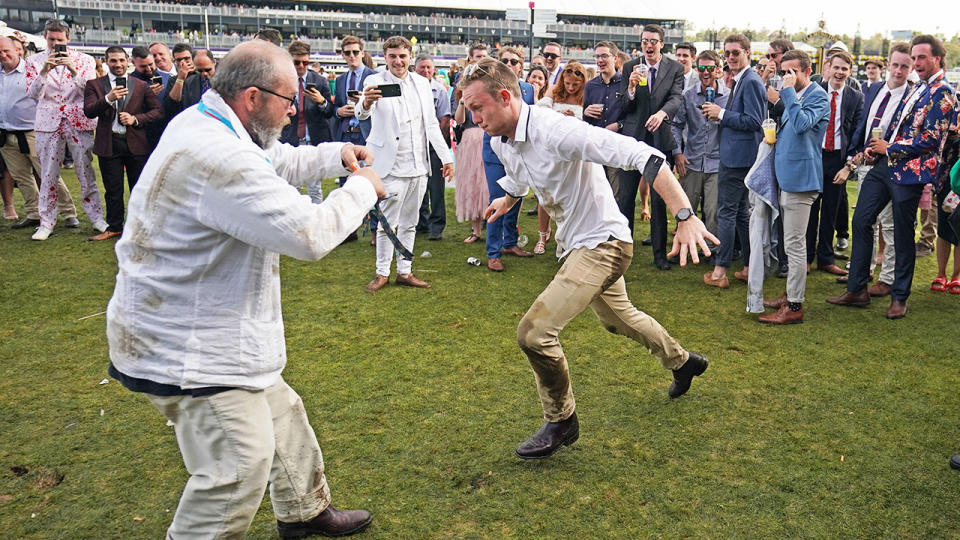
561, 159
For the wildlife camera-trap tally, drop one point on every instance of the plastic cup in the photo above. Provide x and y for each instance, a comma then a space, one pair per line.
769, 131
876, 133
643, 69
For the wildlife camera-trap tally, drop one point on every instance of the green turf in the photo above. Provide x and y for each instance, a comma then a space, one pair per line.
839, 427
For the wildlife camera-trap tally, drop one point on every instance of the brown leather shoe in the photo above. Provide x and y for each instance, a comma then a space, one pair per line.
377, 283
860, 298
742, 275
879, 289
723, 282
777, 303
105, 235
783, 316
330, 522
832, 269
495, 265
411, 280
841, 256
898, 309
516, 252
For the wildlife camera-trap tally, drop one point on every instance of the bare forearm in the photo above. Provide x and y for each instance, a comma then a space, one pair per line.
669, 188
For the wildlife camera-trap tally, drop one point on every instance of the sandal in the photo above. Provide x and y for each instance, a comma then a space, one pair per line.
953, 287
541, 246
939, 284
471, 239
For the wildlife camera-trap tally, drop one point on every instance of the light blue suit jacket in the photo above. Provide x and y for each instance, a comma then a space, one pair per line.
799, 161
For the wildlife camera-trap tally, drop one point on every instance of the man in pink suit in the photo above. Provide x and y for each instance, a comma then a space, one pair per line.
56, 79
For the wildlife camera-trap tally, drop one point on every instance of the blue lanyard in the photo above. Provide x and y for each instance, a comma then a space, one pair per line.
202, 107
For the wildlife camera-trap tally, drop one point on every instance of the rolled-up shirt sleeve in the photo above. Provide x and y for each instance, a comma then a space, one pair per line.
513, 188
256, 206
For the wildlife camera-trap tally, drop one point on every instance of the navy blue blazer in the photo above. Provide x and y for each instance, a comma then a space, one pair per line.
851, 110
316, 115
799, 161
740, 130
340, 99
868, 97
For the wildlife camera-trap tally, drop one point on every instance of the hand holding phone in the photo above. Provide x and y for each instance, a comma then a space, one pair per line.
389, 90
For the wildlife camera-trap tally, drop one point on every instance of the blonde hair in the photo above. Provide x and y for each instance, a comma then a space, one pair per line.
494, 74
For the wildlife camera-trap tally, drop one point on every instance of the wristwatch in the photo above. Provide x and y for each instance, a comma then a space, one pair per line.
851, 165
684, 214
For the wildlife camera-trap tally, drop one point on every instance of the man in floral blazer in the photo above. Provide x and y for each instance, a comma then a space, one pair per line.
908, 158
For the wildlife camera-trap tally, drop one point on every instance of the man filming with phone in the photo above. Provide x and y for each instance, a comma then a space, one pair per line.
403, 128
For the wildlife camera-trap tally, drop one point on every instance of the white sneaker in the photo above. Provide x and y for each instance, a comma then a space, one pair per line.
42, 233
100, 226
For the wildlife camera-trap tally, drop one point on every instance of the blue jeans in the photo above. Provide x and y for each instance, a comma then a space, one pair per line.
733, 214
502, 233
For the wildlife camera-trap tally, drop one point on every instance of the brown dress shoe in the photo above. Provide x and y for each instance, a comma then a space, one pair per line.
898, 309
723, 282
832, 269
330, 522
742, 275
879, 289
516, 252
777, 303
860, 298
411, 280
495, 265
783, 316
377, 283
105, 235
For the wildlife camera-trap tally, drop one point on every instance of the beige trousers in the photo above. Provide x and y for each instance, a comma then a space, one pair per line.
234, 443
21, 169
588, 277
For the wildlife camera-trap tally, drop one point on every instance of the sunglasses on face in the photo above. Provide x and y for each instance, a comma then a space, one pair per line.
771, 56
301, 62
708, 69
650, 41
550, 55
351, 53
732, 52
510, 61
208, 70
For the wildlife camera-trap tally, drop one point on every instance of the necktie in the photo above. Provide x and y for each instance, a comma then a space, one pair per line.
353, 86
204, 84
879, 116
896, 120
652, 77
831, 132
301, 118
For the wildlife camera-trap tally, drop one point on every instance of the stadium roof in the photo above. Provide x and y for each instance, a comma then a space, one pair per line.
606, 8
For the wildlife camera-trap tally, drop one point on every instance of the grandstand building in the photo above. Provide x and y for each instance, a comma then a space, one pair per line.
442, 27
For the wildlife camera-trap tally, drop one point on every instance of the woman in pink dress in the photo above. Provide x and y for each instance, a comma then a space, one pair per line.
471, 195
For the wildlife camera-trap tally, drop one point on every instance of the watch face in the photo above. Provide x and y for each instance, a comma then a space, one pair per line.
684, 214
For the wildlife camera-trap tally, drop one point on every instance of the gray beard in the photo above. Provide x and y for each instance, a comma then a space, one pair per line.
263, 135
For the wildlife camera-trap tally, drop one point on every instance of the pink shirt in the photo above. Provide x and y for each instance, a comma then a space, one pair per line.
59, 95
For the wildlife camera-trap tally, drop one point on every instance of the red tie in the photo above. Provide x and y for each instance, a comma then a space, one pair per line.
828, 144
301, 118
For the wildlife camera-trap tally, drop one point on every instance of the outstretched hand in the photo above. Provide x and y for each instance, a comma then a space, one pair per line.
690, 234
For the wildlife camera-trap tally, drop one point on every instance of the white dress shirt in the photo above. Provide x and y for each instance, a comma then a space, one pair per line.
118, 128
17, 110
895, 96
197, 295
837, 117
561, 159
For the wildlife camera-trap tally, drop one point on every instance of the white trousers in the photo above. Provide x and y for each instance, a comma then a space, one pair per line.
234, 443
402, 210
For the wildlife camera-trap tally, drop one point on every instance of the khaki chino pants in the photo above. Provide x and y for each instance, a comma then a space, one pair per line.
234, 443
588, 277
21, 168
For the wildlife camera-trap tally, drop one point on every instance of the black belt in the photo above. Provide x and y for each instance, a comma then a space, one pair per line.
21, 136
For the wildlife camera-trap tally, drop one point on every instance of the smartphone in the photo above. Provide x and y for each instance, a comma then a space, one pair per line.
389, 90
353, 95
122, 82
311, 86
156, 80
60, 49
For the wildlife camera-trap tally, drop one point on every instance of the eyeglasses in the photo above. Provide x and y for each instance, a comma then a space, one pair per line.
550, 55
708, 69
301, 62
208, 70
732, 52
602, 56
352, 53
572, 71
292, 100
510, 61
771, 56
650, 41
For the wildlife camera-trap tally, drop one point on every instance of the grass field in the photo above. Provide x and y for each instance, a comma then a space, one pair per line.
839, 427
